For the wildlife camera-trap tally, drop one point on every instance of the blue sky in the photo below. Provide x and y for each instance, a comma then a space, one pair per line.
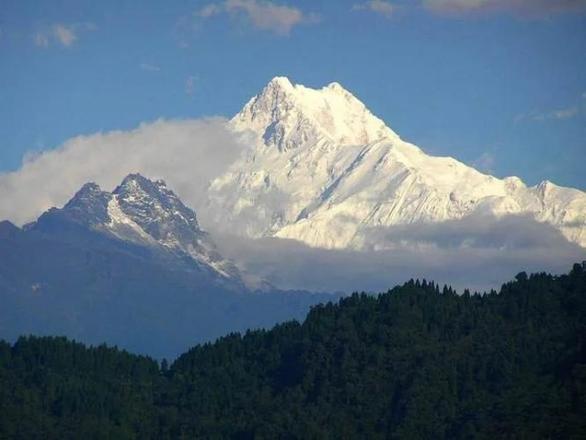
499, 85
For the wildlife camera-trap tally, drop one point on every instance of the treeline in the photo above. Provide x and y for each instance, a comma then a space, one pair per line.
416, 362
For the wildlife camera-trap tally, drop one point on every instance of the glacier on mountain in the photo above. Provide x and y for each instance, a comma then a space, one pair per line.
325, 171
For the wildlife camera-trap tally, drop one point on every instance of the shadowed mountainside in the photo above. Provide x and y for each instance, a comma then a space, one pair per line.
417, 362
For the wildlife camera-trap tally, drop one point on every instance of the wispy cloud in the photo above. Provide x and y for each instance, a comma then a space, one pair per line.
384, 8
485, 162
150, 67
61, 34
564, 113
188, 154
559, 114
191, 85
210, 10
263, 15
569, 112
524, 8
65, 35
41, 39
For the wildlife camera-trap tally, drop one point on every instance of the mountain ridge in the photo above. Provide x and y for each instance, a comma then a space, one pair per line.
132, 268
146, 213
313, 176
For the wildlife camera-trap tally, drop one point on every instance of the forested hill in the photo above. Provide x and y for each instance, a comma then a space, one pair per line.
416, 362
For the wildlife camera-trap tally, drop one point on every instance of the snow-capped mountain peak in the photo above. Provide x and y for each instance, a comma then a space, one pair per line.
147, 213
89, 205
284, 115
156, 209
324, 170
281, 82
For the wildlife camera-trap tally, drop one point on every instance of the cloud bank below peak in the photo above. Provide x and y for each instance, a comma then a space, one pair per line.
185, 153
475, 253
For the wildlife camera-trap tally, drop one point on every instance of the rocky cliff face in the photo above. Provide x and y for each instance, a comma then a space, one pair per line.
145, 213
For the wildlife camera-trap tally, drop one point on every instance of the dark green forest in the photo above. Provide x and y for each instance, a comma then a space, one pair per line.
417, 362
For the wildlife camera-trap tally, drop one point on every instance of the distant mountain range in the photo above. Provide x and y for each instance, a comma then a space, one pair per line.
133, 268
324, 170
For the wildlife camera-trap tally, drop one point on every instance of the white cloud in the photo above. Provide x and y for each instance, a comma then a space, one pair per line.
210, 10
569, 112
187, 154
485, 162
525, 8
264, 15
150, 67
478, 253
61, 34
190, 85
41, 39
381, 7
66, 36
563, 113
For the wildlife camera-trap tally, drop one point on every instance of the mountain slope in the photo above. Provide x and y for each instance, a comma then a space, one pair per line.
417, 362
325, 171
131, 268
145, 213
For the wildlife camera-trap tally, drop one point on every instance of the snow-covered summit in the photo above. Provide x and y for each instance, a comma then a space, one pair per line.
156, 209
326, 171
148, 213
286, 115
